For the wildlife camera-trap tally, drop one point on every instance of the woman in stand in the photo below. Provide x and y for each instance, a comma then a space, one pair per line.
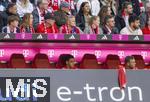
27, 24
93, 27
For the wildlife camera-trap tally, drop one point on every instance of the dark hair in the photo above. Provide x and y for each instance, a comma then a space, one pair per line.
125, 5
133, 18
10, 6
12, 18
68, 57
128, 58
107, 18
81, 8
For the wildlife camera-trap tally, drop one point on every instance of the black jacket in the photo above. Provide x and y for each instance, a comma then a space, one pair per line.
120, 23
4, 17
80, 21
106, 31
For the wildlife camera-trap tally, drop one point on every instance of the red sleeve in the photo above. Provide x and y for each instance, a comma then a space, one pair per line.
39, 29
122, 77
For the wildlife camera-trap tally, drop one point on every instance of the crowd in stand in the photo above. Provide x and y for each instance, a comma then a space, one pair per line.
130, 17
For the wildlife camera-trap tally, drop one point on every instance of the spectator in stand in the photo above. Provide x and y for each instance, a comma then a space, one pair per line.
130, 63
94, 5
83, 16
23, 7
39, 12
70, 27
145, 19
48, 26
133, 28
105, 11
27, 24
12, 26
146, 29
122, 18
11, 10
79, 3
93, 27
111, 4
109, 25
148, 9
62, 13
70, 62
55, 4
135, 3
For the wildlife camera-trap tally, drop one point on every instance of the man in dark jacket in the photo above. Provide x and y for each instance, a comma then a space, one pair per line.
122, 18
109, 27
11, 10
135, 4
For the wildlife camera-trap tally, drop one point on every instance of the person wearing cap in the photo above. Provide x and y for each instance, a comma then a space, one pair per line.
70, 27
48, 26
62, 13
11, 10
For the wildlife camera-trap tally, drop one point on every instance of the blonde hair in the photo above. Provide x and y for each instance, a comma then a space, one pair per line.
92, 19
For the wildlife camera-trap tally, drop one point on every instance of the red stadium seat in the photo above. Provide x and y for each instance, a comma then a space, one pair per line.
140, 64
89, 61
17, 61
112, 62
61, 61
41, 61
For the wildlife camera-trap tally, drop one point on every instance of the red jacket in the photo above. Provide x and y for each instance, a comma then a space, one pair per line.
41, 29
122, 77
146, 30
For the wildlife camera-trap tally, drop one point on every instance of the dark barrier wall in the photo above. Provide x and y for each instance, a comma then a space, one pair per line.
74, 85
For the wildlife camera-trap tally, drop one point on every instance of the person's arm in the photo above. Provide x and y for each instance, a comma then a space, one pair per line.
140, 32
4, 30
35, 19
79, 22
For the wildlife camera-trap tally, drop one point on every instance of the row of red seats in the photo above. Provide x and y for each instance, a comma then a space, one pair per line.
89, 61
